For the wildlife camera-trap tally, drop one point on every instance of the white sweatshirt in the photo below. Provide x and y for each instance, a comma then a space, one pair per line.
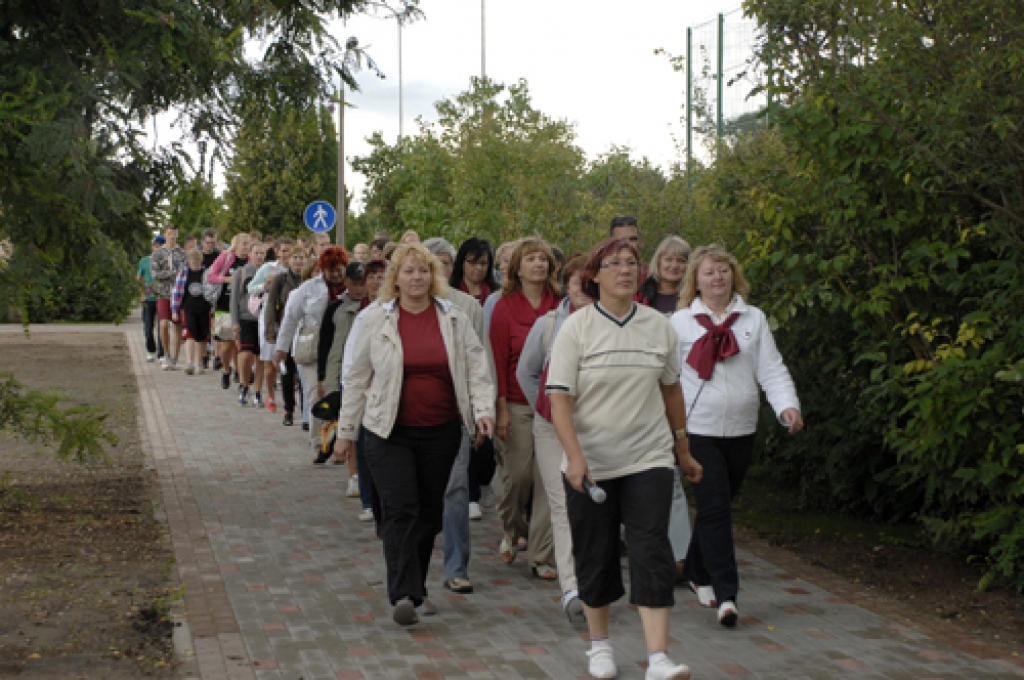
729, 401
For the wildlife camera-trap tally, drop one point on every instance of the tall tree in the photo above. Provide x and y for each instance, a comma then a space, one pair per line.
80, 78
281, 163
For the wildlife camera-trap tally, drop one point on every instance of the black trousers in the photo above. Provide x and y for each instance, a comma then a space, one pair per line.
481, 468
711, 558
642, 502
153, 343
410, 472
288, 385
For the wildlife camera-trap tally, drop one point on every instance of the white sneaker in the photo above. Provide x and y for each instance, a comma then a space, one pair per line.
190, 369
150, 358
705, 594
353, 486
728, 614
366, 515
165, 364
666, 669
475, 511
173, 365
602, 663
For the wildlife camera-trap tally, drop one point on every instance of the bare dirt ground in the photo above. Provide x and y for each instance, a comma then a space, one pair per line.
890, 569
86, 570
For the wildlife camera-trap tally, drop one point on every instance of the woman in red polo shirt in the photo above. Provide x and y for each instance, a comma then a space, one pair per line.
529, 292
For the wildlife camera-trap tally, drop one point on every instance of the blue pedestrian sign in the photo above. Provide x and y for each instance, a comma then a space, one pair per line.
319, 217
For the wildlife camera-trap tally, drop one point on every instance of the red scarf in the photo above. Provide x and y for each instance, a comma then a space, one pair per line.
485, 291
717, 344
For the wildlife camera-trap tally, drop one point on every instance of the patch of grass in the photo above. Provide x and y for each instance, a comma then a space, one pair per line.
771, 512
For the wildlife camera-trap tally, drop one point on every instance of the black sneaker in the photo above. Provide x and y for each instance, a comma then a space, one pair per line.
243, 394
305, 427
206, 362
257, 400
235, 376
217, 364
225, 380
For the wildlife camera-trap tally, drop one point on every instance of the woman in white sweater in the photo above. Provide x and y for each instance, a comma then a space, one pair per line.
726, 351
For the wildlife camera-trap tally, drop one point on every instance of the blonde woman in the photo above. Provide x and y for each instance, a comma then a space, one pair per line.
419, 374
668, 267
530, 291
222, 272
726, 353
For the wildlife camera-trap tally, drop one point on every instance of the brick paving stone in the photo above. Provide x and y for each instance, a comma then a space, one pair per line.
282, 580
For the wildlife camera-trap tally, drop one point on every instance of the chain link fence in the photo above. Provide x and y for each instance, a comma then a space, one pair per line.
725, 80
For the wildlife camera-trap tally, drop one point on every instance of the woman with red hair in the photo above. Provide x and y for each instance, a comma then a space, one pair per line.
300, 325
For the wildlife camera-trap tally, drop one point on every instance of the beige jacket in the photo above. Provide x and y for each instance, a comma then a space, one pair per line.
374, 383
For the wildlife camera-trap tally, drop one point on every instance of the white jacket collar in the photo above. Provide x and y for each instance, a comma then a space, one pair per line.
443, 303
737, 305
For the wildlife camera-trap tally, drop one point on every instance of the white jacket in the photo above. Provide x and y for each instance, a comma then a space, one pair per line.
729, 401
373, 384
305, 309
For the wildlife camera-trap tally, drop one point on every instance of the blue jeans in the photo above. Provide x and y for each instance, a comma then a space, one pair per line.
455, 536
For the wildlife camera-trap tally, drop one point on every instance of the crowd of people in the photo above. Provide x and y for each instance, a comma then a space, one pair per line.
595, 383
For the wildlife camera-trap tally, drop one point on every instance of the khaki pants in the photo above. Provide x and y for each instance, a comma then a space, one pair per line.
549, 462
519, 474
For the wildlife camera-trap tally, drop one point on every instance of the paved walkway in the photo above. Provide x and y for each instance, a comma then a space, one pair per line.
282, 581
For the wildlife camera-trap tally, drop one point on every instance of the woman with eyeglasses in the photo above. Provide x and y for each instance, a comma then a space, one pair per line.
473, 273
661, 291
668, 267
618, 410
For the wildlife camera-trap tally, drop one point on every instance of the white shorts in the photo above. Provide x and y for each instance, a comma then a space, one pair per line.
266, 348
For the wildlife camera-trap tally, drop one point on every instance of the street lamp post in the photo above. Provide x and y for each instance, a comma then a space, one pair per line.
339, 230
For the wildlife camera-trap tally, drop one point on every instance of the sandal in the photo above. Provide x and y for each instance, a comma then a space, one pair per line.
459, 585
287, 419
508, 551
545, 572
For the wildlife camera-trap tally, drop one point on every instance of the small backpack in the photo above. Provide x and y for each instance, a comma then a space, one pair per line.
212, 291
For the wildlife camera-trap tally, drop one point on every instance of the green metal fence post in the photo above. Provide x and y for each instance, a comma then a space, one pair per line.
721, 70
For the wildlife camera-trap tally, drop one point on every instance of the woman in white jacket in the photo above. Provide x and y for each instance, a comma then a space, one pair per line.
300, 324
726, 350
419, 375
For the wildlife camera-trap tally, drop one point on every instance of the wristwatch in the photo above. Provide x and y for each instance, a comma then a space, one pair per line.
681, 433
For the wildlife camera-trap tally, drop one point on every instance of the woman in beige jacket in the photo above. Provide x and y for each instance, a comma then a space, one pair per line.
419, 375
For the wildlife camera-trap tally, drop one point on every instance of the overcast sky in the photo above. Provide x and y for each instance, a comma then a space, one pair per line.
590, 62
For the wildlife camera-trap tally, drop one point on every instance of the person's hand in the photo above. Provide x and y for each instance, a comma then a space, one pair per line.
576, 471
792, 418
504, 425
693, 470
174, 317
343, 449
237, 329
279, 356
320, 389
484, 430
227, 279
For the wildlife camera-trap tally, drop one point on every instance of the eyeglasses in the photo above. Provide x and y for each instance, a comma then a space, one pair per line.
619, 264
